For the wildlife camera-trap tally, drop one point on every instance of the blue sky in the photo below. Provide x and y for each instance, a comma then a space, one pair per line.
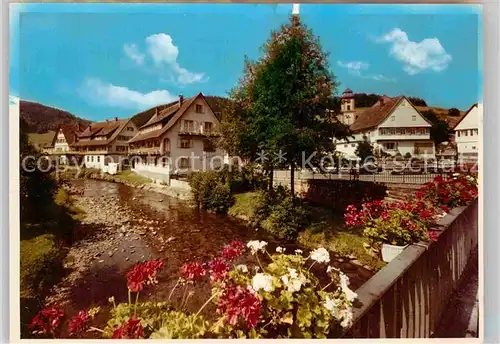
104, 60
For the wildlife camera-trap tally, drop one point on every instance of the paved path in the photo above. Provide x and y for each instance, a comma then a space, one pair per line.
461, 317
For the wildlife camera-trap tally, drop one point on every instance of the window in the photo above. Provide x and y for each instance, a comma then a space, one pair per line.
471, 132
466, 132
474, 147
353, 145
185, 143
393, 118
208, 127
199, 108
121, 148
346, 145
98, 159
188, 125
390, 145
476, 131
208, 146
348, 107
458, 133
414, 118
184, 163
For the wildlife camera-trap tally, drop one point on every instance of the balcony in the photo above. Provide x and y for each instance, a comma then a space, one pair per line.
156, 150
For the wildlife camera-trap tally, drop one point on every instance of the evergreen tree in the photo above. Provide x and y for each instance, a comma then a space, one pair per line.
282, 103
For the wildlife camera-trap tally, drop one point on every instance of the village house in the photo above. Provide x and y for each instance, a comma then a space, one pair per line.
177, 140
104, 143
467, 137
65, 136
392, 125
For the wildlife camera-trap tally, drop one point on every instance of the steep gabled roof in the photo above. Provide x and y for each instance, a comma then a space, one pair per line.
376, 114
70, 132
99, 129
171, 114
465, 115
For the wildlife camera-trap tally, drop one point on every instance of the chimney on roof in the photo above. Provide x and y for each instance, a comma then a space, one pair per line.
181, 99
382, 100
156, 111
116, 119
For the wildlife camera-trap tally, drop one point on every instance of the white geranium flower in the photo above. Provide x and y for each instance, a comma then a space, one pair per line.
293, 281
331, 268
298, 251
256, 245
242, 268
333, 306
292, 273
344, 284
262, 281
320, 255
347, 317
280, 249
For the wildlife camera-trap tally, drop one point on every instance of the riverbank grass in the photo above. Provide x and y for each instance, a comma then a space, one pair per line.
131, 177
39, 257
327, 230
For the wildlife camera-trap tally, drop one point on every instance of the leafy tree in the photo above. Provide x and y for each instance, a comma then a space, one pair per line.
364, 150
440, 131
282, 103
454, 112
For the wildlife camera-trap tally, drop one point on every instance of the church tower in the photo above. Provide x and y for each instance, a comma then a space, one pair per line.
347, 107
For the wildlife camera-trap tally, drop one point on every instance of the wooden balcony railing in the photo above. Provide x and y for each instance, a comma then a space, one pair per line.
407, 298
146, 150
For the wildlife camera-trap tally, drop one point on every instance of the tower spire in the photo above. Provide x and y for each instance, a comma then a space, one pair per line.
295, 9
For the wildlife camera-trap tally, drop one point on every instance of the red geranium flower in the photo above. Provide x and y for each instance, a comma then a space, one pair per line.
78, 323
193, 271
131, 329
143, 273
218, 269
238, 302
46, 321
433, 235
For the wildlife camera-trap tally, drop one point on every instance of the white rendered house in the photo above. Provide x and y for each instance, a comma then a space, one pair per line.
392, 125
104, 143
467, 135
177, 140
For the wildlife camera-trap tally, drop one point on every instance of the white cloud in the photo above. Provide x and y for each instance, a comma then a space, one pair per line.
102, 93
354, 67
358, 67
417, 57
133, 53
162, 50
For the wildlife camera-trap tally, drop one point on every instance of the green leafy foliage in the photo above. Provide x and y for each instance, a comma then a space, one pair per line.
286, 219
400, 227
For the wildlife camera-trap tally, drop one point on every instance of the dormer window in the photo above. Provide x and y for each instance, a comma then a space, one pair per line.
199, 108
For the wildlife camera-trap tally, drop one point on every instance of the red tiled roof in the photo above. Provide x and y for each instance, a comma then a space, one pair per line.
376, 114
99, 129
171, 115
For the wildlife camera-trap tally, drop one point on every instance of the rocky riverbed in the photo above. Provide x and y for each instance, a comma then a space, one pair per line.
123, 226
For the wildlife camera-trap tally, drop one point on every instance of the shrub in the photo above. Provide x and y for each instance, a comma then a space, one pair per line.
210, 192
286, 219
408, 155
220, 199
